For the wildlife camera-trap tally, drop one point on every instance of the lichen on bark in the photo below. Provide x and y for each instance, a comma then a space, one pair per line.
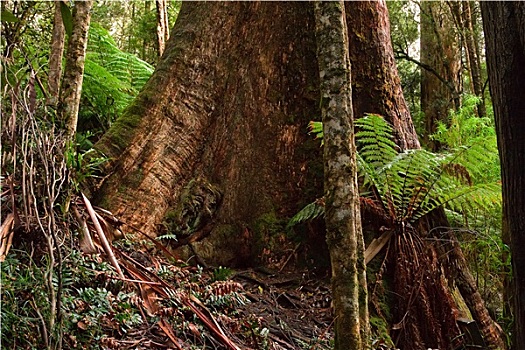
343, 221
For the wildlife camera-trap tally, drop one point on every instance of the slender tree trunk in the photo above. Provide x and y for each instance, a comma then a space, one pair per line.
144, 52
504, 25
74, 70
343, 220
473, 57
376, 84
162, 24
440, 51
55, 58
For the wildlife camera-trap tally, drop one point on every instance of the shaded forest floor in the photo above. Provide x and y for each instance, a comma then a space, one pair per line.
217, 308
161, 303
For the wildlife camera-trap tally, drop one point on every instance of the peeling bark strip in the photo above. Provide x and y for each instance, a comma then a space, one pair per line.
74, 69
343, 221
162, 25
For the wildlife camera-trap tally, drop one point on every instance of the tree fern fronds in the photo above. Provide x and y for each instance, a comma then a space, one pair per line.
374, 140
112, 78
482, 196
316, 128
309, 212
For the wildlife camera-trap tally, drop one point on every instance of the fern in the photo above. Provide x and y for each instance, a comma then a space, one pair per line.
413, 183
309, 212
112, 78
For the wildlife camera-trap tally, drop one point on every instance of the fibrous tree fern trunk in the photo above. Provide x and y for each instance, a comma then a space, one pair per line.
343, 220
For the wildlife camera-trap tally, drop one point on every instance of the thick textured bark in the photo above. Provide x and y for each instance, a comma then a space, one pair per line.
343, 220
376, 85
440, 52
504, 25
228, 107
162, 24
55, 57
74, 68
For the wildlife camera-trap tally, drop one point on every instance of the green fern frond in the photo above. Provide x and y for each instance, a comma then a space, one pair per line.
374, 140
169, 236
112, 78
412, 183
309, 212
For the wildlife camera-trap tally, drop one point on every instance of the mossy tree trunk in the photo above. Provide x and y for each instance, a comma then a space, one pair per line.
504, 25
228, 106
55, 57
71, 89
343, 220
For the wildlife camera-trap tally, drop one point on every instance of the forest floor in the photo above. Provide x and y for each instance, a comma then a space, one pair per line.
158, 302
190, 307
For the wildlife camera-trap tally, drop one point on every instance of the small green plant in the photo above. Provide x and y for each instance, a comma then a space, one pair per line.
221, 274
82, 160
112, 78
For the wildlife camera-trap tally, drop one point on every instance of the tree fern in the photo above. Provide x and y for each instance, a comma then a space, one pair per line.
412, 183
112, 78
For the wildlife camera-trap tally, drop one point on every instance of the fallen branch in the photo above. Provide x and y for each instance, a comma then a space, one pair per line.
102, 236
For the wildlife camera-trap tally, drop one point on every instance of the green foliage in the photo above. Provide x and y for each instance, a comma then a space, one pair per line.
67, 18
316, 128
221, 274
411, 184
112, 78
90, 302
309, 212
464, 129
480, 236
24, 302
415, 182
82, 160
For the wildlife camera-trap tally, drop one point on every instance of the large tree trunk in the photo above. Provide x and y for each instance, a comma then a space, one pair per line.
504, 24
74, 69
376, 84
343, 219
228, 107
441, 85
